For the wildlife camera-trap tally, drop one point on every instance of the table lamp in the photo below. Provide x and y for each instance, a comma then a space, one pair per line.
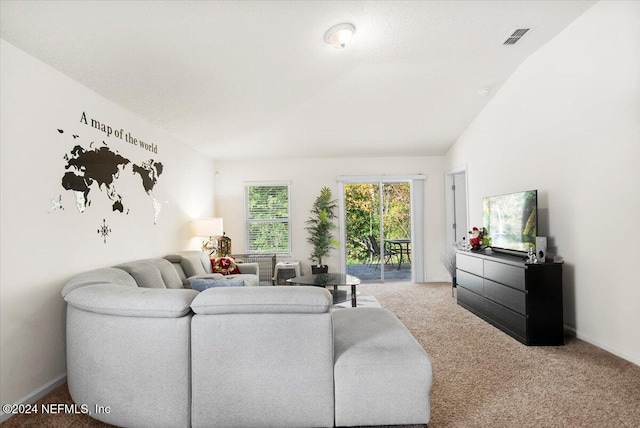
210, 228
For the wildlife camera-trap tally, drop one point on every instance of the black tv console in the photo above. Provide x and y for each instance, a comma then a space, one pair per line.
522, 299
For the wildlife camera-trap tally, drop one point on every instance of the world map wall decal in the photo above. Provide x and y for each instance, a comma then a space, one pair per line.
89, 168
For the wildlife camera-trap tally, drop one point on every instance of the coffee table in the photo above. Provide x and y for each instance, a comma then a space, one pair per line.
330, 279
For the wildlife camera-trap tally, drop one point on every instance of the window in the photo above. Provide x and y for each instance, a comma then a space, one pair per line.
267, 218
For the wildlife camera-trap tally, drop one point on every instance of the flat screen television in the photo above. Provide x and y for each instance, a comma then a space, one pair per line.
511, 220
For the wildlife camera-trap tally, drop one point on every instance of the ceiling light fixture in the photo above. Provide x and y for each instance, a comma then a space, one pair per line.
340, 35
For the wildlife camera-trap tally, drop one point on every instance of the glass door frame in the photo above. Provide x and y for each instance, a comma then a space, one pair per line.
416, 186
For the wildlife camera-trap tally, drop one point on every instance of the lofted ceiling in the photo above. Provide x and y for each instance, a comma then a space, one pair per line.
255, 79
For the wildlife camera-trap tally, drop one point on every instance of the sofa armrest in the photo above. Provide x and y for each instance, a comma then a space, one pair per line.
262, 300
99, 276
111, 299
249, 268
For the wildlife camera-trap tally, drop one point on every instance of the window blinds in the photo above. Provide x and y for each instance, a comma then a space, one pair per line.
267, 218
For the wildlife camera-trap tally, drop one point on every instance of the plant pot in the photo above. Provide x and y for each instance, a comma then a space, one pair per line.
315, 269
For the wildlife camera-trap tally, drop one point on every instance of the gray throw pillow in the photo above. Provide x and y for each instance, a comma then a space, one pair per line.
201, 284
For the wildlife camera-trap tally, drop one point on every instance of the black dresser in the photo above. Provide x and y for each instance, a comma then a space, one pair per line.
522, 299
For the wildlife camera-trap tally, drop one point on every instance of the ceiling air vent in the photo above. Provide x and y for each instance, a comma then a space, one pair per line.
517, 35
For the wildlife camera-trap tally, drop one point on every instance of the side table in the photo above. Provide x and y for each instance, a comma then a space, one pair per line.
286, 270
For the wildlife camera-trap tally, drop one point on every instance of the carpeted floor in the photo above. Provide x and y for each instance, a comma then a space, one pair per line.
482, 377
485, 378
362, 302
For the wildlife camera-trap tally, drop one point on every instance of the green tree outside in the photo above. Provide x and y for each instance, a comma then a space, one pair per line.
362, 218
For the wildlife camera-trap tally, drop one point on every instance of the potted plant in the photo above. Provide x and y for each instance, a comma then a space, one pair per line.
320, 227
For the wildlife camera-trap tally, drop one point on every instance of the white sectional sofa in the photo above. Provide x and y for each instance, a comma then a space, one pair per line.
161, 355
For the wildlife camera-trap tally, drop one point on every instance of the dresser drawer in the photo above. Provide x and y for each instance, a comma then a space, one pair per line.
471, 300
507, 319
469, 264
513, 276
470, 282
506, 296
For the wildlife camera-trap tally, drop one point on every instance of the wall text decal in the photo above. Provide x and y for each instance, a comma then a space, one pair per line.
118, 133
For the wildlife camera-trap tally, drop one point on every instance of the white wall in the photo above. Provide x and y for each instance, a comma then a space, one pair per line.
307, 177
568, 124
41, 251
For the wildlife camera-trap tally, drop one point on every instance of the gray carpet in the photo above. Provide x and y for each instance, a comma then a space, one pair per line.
482, 377
361, 301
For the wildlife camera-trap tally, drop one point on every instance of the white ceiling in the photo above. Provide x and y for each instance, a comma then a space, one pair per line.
256, 79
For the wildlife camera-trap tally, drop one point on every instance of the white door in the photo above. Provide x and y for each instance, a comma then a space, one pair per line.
457, 223
460, 206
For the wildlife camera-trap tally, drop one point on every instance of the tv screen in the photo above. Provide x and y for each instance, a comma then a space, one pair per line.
511, 220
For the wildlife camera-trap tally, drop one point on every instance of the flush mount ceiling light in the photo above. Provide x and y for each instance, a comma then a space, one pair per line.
340, 35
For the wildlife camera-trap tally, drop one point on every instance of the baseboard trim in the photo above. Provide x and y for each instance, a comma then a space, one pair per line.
428, 280
37, 394
573, 332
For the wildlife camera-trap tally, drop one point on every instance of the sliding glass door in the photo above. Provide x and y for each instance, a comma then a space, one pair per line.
377, 230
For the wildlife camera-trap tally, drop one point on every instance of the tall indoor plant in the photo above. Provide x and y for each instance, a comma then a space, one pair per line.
320, 227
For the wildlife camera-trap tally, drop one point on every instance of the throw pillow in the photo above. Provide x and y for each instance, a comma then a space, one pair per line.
201, 284
225, 266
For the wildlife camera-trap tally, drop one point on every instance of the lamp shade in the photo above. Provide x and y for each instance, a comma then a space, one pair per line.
207, 227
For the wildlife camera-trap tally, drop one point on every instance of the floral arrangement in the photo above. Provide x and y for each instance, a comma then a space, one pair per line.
477, 238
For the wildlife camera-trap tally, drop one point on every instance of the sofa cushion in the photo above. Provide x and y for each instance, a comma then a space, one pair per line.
176, 261
201, 284
192, 266
204, 276
261, 369
249, 280
224, 265
191, 262
249, 268
121, 300
251, 300
169, 275
153, 273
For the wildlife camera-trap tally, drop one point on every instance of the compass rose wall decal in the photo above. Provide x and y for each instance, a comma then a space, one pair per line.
104, 230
